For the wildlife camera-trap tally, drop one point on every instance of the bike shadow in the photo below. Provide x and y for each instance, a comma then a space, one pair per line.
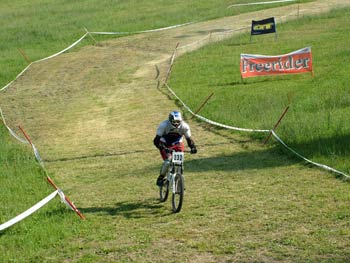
131, 209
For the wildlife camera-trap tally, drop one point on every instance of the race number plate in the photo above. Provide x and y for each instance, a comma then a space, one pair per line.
178, 157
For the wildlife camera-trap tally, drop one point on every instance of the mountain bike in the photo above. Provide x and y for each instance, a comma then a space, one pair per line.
174, 180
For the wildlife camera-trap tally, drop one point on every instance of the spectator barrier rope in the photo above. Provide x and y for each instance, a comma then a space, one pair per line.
28, 212
255, 130
262, 3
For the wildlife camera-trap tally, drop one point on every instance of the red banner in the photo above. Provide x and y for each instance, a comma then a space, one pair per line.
299, 61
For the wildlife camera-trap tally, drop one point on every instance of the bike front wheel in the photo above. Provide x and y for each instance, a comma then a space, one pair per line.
164, 191
178, 192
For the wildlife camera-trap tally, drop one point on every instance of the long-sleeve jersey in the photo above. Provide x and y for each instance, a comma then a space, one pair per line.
171, 135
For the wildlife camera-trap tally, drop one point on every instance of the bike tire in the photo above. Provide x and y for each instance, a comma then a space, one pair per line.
164, 191
178, 194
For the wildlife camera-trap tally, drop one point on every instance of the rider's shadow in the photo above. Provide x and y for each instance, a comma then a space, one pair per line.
129, 209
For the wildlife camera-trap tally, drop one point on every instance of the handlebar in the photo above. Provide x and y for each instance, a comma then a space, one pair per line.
170, 149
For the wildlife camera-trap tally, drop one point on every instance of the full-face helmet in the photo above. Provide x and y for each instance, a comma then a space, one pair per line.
175, 118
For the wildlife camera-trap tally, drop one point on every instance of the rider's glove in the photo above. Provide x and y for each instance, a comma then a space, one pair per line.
161, 146
193, 149
167, 150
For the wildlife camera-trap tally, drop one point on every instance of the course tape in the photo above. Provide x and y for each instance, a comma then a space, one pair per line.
307, 160
29, 211
140, 32
253, 130
210, 121
64, 50
63, 198
54, 55
81, 38
262, 3
172, 59
37, 155
20, 74
35, 150
210, 35
10, 130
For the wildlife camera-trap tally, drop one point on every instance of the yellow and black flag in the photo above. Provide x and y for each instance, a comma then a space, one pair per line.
264, 26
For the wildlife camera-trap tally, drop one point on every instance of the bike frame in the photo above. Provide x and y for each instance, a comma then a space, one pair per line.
176, 168
174, 180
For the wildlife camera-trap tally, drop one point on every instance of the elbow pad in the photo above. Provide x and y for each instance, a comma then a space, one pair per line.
156, 141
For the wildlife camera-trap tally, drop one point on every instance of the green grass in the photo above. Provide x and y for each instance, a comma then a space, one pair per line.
316, 125
42, 27
23, 184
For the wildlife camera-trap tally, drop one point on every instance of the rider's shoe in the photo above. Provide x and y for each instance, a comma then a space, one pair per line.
160, 181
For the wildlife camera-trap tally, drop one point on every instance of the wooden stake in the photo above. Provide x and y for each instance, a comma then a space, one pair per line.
158, 72
171, 63
91, 36
298, 9
290, 96
276, 125
75, 209
52, 183
204, 102
24, 55
25, 135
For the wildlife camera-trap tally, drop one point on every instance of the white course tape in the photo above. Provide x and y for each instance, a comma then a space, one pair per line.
63, 198
307, 160
35, 150
252, 130
262, 3
37, 155
210, 35
64, 50
210, 121
80, 39
54, 55
28, 212
16, 136
15, 78
11, 131
195, 42
140, 32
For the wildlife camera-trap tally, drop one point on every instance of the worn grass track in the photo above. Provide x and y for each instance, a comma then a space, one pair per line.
93, 113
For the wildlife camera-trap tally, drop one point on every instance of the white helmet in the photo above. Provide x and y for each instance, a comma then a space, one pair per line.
175, 118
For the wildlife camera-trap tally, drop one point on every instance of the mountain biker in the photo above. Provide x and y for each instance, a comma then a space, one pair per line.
170, 134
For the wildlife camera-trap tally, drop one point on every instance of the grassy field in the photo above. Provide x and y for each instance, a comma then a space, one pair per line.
93, 112
316, 125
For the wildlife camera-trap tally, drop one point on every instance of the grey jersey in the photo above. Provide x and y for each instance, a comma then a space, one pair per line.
171, 135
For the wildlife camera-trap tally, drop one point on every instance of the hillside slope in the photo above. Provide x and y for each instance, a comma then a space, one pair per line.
90, 102
92, 113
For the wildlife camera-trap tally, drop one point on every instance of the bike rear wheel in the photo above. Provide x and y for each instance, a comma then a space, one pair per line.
178, 193
164, 191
